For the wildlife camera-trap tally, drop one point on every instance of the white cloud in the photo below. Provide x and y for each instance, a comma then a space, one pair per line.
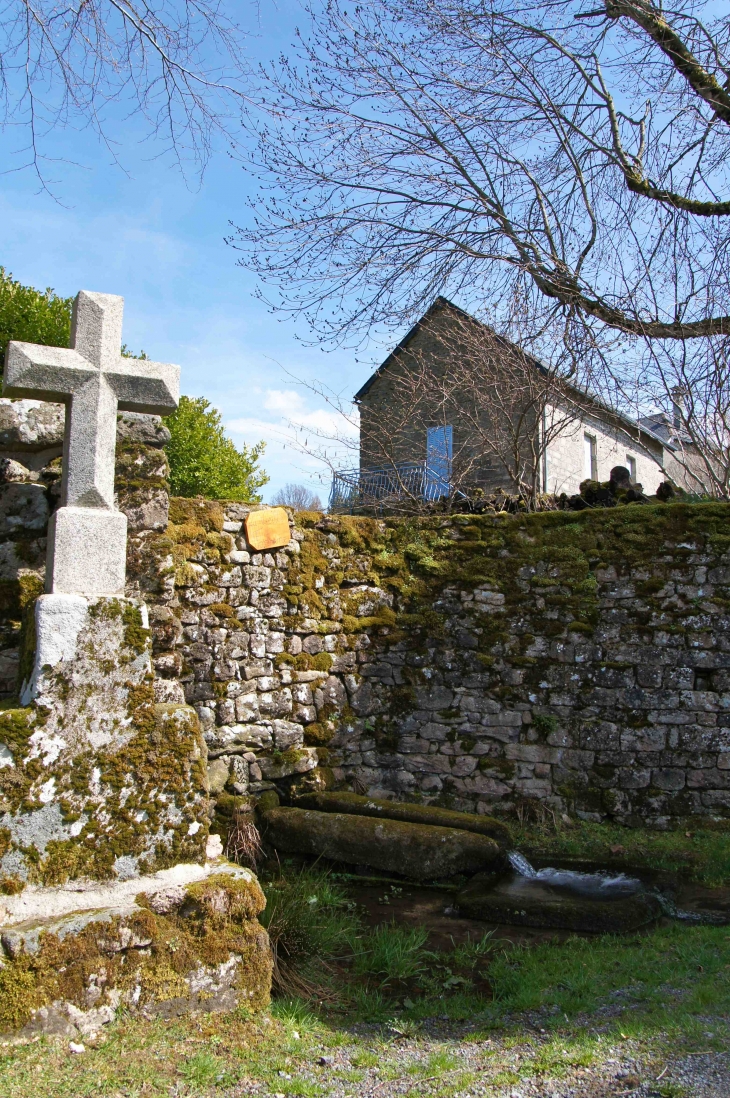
286, 402
294, 432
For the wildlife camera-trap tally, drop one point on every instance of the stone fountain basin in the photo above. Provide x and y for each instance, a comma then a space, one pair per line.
560, 899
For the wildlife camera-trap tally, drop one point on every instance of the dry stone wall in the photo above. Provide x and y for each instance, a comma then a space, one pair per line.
581, 663
578, 662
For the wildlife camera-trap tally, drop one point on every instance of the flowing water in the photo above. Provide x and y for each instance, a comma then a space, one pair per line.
600, 885
604, 885
520, 864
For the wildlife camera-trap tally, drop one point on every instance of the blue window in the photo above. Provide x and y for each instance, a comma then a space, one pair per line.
439, 451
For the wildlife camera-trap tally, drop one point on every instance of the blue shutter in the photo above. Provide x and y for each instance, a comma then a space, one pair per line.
439, 451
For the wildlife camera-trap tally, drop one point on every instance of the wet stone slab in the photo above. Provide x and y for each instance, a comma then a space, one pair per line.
535, 902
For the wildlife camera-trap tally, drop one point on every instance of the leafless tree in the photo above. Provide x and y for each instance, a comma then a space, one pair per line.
698, 426
298, 497
176, 64
575, 150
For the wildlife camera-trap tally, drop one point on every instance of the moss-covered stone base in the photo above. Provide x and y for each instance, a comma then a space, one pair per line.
97, 779
174, 950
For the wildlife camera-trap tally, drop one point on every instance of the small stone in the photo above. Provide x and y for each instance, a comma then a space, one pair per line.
213, 848
30, 424
217, 776
76, 1047
23, 507
169, 899
325, 1061
13, 471
140, 427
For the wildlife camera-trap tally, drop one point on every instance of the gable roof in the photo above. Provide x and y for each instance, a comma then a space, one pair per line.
648, 426
437, 306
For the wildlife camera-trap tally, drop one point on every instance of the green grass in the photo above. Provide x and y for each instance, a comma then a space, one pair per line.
310, 920
563, 1005
203, 1070
390, 953
662, 979
702, 854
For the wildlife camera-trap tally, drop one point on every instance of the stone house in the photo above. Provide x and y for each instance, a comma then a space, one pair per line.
435, 421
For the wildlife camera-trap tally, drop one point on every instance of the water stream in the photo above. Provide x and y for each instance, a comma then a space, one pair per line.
603, 885
600, 885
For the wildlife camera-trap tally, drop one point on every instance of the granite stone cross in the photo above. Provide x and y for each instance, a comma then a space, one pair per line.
87, 537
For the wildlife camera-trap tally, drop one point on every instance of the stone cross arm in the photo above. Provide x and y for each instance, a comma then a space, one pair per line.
56, 373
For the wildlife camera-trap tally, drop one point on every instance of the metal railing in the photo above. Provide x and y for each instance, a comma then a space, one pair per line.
353, 489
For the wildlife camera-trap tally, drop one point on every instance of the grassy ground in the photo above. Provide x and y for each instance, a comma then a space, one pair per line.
556, 1011
375, 1012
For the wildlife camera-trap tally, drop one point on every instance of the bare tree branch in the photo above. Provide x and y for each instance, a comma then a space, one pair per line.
177, 64
480, 148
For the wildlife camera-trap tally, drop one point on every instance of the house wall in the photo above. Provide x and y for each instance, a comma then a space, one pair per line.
566, 463
394, 418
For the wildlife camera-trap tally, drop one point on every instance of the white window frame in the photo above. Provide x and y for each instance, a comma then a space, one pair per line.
631, 464
590, 456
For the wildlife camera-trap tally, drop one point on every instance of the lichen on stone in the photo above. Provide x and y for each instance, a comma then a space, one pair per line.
158, 963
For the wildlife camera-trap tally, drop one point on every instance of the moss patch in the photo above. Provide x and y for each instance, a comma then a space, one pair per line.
204, 513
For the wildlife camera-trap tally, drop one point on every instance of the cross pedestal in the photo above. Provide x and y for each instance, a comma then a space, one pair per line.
87, 536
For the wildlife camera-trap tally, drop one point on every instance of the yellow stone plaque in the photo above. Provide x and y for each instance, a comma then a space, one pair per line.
268, 529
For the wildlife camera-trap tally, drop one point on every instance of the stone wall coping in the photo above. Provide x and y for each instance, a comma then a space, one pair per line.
36, 902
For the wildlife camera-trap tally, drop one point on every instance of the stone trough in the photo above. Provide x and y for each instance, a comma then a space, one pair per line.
559, 899
418, 851
424, 843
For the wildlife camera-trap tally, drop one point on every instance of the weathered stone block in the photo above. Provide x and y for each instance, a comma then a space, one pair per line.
294, 761
668, 778
287, 735
643, 739
87, 551
89, 953
708, 779
415, 850
217, 776
23, 508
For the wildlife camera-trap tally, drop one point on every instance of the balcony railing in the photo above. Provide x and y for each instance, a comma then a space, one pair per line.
381, 488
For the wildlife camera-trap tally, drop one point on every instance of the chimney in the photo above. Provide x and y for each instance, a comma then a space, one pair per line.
678, 394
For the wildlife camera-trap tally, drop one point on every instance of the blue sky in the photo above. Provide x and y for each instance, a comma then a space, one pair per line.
146, 234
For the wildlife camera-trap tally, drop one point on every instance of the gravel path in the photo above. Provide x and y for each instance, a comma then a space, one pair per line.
457, 1065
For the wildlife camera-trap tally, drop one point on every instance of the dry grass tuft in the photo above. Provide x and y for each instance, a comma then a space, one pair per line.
243, 844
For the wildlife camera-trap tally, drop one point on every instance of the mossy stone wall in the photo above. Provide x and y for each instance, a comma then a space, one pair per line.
580, 662
577, 662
